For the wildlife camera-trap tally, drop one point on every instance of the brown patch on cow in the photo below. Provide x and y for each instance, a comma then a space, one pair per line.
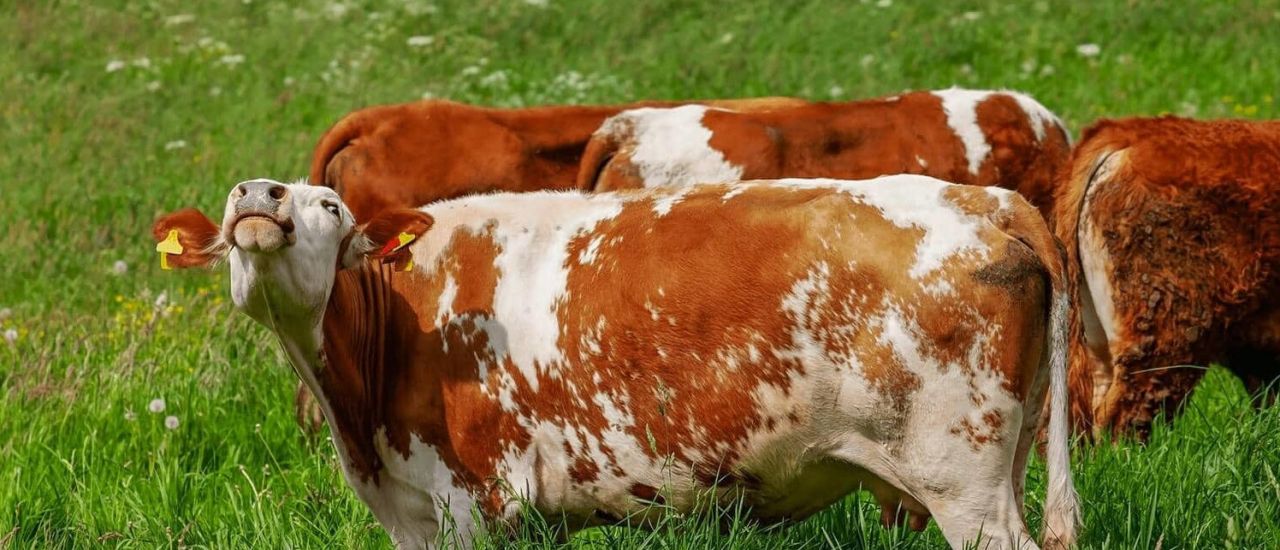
860, 140
1188, 214
1018, 159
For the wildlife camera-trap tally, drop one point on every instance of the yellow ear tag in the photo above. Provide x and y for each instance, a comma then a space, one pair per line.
169, 245
404, 238
408, 265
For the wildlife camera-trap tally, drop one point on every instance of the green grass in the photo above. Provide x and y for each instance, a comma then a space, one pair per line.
91, 157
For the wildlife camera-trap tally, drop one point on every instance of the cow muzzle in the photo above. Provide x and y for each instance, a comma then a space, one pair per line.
261, 222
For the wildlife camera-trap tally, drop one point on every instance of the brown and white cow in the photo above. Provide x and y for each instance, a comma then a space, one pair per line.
591, 354
976, 137
1172, 228
411, 154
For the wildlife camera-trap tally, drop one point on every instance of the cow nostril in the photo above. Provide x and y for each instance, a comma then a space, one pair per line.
276, 192
240, 192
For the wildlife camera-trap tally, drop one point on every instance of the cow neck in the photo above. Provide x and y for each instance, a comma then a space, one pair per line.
353, 356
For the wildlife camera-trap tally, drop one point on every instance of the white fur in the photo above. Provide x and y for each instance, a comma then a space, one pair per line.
961, 107
672, 147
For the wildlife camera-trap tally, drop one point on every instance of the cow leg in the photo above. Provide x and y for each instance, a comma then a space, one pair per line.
307, 410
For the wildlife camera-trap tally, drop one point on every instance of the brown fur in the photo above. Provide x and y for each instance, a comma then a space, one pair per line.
1188, 212
859, 140
411, 154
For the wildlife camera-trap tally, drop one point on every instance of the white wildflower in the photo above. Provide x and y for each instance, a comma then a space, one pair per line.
175, 144
213, 92
884, 3
179, 19
337, 10
1029, 66
154, 85
171, 422
142, 63
420, 9
867, 60
966, 69
1089, 50
289, 81
1046, 70
420, 41
11, 336
726, 38
231, 60
130, 415
972, 15
836, 91
156, 405
162, 300
537, 3
471, 70
115, 65
120, 267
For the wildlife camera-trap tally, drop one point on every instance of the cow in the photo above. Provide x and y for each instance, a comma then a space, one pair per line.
411, 154
1172, 228
976, 137
592, 355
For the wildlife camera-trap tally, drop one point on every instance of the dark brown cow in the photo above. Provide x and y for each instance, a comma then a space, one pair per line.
975, 137
1173, 231
590, 355
412, 154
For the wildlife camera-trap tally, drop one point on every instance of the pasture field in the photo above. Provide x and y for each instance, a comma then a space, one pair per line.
115, 111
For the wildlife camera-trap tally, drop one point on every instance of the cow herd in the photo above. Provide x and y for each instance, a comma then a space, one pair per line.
609, 312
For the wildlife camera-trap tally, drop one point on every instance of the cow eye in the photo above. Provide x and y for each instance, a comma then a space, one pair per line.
332, 208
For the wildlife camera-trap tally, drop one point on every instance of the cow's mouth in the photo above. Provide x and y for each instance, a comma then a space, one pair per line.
260, 232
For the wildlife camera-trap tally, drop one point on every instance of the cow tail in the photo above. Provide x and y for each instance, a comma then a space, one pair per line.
1062, 504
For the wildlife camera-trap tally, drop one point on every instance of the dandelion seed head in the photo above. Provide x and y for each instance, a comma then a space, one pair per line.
156, 405
171, 422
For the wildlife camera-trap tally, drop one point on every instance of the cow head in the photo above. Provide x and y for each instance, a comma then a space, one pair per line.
285, 244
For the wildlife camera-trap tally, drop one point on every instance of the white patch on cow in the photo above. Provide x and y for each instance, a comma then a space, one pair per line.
961, 108
1040, 118
416, 495
1099, 309
588, 254
532, 270
444, 306
733, 192
663, 204
672, 148
920, 160
1003, 196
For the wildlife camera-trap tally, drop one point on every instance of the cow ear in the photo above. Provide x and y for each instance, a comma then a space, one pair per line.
387, 237
187, 238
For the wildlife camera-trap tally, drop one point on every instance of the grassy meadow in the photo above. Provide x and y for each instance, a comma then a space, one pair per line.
138, 410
